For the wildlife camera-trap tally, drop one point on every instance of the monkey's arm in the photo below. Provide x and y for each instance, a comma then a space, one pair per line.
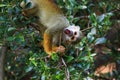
49, 47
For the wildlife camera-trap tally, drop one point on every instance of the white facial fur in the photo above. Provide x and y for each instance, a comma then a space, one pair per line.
75, 33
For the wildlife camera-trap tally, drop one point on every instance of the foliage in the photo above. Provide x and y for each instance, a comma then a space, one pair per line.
27, 60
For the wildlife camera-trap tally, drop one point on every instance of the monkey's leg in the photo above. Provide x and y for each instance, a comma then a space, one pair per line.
47, 43
29, 12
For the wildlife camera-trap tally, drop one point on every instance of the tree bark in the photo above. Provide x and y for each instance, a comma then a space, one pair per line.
3, 50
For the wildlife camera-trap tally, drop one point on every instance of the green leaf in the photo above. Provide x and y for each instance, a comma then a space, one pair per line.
33, 61
10, 39
83, 7
43, 76
11, 28
3, 5
101, 17
92, 55
55, 57
29, 68
69, 58
101, 40
93, 31
90, 35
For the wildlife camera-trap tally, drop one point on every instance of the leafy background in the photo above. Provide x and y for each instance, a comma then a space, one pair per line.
26, 60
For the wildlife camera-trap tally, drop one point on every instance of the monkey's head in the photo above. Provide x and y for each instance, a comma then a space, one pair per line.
72, 34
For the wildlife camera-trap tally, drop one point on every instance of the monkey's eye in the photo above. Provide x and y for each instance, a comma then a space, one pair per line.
75, 33
67, 31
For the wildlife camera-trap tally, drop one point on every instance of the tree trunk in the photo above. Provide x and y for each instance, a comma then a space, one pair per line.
3, 50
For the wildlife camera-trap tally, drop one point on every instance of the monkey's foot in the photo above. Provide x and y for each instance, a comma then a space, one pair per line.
23, 13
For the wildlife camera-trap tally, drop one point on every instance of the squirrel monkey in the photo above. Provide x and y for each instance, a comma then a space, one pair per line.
52, 23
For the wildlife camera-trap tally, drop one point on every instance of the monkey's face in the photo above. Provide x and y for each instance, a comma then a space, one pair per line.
72, 34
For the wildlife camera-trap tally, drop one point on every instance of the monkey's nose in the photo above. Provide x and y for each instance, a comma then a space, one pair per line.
72, 38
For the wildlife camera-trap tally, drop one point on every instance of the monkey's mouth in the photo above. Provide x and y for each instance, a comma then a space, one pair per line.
68, 42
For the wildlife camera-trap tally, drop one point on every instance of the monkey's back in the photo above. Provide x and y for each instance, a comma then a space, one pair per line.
50, 14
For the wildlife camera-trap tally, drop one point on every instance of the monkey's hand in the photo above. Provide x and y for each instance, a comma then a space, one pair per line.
55, 49
60, 49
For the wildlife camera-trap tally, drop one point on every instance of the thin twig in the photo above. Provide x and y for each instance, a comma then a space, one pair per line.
63, 61
60, 39
115, 10
82, 17
86, 17
86, 29
66, 70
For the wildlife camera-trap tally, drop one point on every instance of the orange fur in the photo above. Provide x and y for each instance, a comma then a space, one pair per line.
47, 43
49, 48
54, 48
